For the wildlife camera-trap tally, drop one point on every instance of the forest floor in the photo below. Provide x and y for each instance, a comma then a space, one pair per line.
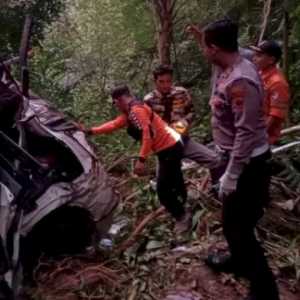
147, 261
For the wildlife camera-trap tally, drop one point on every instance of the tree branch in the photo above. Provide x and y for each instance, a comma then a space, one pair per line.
266, 14
132, 238
290, 130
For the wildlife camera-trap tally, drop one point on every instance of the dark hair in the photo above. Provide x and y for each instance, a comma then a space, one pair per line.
162, 70
223, 34
120, 91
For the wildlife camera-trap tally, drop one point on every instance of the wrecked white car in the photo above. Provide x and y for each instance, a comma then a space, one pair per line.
55, 196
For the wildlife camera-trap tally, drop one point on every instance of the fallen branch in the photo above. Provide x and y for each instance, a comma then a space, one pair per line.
123, 182
132, 238
88, 277
290, 130
122, 159
136, 193
73, 274
285, 147
205, 182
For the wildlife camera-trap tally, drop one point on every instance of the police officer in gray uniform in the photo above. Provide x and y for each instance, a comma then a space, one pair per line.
239, 132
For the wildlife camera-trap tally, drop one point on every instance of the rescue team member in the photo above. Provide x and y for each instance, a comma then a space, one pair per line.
175, 107
277, 94
157, 137
239, 130
172, 103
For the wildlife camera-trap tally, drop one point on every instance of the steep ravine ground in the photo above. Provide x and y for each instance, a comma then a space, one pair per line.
160, 266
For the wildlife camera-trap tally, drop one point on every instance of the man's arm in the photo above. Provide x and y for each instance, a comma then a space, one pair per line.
196, 33
274, 125
279, 106
246, 102
110, 126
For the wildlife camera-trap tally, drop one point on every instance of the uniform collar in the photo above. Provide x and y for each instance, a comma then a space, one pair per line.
225, 73
160, 95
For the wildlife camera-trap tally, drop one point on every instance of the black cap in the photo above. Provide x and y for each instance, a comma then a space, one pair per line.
270, 48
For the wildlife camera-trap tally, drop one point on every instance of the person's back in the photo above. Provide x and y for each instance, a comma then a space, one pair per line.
223, 120
161, 135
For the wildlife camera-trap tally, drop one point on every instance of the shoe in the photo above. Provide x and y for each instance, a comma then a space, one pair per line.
184, 224
220, 262
263, 294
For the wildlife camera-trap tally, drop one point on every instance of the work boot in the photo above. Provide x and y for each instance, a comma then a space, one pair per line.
220, 262
184, 224
266, 291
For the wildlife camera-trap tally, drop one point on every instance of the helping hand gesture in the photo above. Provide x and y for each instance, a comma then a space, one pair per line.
193, 30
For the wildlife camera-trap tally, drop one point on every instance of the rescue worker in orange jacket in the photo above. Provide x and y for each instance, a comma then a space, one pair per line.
156, 137
239, 131
277, 93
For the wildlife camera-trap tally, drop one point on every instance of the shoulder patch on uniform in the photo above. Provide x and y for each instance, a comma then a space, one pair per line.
237, 94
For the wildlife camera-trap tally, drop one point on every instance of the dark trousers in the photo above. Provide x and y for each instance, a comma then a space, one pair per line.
171, 189
241, 212
200, 153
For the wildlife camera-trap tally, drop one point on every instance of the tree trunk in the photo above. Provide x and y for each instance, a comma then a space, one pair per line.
265, 17
286, 43
285, 59
164, 13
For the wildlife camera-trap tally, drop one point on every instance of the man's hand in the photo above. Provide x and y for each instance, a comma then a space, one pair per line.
139, 168
228, 185
193, 30
80, 126
180, 126
184, 123
87, 131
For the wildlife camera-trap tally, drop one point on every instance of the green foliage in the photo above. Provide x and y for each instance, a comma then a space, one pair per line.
94, 44
12, 16
87, 51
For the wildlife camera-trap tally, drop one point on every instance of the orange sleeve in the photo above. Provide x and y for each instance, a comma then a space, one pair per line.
110, 126
141, 114
279, 100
